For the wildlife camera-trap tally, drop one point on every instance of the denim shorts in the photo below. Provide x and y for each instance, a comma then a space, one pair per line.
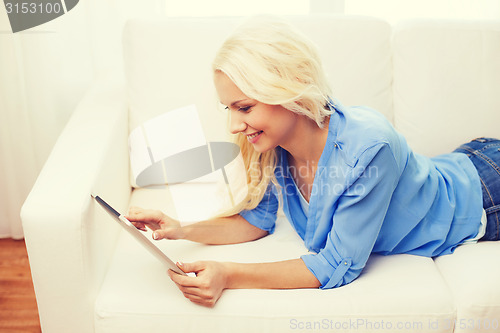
485, 154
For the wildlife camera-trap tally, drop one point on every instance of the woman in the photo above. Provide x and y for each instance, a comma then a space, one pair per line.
348, 182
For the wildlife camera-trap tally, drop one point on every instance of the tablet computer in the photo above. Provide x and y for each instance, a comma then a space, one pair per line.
131, 229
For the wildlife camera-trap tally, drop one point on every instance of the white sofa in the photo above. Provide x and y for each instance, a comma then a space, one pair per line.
437, 81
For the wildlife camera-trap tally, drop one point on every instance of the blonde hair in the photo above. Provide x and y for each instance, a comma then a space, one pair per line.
272, 62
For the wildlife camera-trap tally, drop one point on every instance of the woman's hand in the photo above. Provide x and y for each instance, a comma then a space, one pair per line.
206, 288
162, 225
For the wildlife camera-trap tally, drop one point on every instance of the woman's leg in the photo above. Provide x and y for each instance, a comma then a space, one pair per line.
485, 154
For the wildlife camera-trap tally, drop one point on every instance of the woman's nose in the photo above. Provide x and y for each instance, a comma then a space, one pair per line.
236, 124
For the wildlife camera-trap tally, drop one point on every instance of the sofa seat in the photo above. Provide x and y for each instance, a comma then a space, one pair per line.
401, 292
473, 276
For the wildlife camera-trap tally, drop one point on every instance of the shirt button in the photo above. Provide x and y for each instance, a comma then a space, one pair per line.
335, 145
345, 263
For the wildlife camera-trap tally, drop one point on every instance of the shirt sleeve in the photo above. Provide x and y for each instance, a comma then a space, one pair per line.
264, 215
357, 220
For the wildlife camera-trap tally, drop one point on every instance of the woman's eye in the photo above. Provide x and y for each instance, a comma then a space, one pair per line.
245, 108
241, 109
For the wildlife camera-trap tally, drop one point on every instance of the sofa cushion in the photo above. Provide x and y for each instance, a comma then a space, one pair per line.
168, 64
472, 273
401, 292
446, 79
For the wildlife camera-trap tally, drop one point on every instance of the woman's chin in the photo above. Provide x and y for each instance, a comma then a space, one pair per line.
262, 149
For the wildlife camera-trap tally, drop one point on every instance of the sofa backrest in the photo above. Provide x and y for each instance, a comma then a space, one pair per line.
437, 81
446, 82
168, 64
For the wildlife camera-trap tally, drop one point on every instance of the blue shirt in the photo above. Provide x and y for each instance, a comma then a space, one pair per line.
372, 193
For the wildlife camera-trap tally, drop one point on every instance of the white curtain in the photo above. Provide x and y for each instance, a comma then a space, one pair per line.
44, 73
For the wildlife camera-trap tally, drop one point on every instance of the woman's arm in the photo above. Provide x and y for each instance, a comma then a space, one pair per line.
289, 274
225, 230
213, 277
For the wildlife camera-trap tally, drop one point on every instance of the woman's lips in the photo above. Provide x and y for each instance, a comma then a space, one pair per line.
254, 137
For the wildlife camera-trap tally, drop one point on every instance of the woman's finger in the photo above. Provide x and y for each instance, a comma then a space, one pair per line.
208, 302
139, 225
144, 215
194, 267
194, 298
193, 291
199, 302
134, 210
185, 281
167, 232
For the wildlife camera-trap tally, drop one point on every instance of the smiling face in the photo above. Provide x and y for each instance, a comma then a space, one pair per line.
265, 126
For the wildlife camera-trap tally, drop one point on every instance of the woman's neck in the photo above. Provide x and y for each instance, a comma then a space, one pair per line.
307, 141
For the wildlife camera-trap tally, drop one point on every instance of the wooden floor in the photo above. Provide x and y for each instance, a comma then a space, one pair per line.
18, 311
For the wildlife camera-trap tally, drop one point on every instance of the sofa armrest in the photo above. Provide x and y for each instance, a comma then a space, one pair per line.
69, 241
